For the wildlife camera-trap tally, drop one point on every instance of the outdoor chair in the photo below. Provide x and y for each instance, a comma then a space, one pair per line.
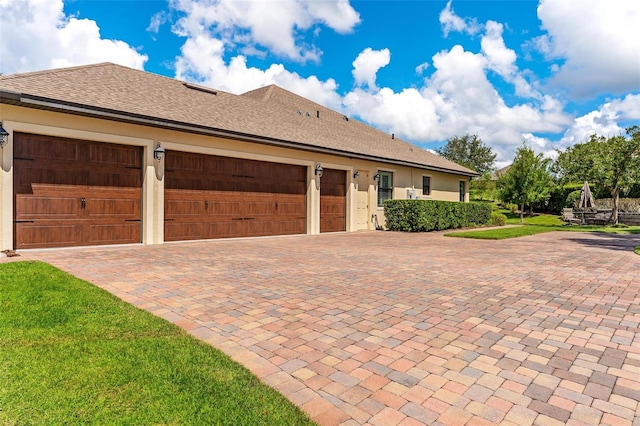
569, 217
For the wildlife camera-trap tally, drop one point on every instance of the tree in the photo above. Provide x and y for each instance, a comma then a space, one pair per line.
527, 181
610, 163
469, 151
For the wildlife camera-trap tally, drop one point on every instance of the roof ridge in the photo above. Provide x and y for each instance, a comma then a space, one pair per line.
57, 70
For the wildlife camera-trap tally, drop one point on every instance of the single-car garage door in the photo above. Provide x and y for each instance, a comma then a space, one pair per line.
70, 192
333, 200
208, 196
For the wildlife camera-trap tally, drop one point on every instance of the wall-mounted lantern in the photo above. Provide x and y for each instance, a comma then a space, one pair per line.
4, 136
158, 153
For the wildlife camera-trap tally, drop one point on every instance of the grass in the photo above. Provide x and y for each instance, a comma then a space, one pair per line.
637, 250
539, 219
525, 230
502, 233
72, 353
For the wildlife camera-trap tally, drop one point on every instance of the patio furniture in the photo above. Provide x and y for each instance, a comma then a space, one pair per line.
569, 217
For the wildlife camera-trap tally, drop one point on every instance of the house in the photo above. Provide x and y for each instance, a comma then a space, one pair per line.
499, 173
104, 154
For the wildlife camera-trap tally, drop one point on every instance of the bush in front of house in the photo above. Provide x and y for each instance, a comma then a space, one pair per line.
432, 215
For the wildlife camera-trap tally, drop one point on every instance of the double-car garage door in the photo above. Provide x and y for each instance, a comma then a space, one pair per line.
73, 193
207, 196
70, 192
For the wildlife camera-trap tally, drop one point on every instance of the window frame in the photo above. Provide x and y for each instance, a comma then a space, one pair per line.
462, 190
385, 193
428, 186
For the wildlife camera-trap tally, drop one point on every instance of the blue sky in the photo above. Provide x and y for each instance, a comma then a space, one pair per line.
548, 72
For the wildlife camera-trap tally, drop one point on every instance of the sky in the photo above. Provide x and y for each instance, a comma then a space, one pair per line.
548, 73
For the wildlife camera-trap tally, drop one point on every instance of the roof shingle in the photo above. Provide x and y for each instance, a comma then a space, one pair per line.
270, 112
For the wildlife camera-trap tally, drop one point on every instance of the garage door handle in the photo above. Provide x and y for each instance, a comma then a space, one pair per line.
23, 221
249, 218
206, 205
237, 218
132, 220
83, 202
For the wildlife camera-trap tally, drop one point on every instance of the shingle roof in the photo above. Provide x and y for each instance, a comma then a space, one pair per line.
503, 171
269, 113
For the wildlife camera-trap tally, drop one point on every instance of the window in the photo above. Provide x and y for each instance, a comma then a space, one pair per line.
463, 190
426, 185
385, 187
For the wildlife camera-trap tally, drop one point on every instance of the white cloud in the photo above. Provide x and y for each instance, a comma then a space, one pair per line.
36, 35
458, 99
598, 42
605, 121
274, 25
420, 69
449, 22
157, 20
202, 60
367, 64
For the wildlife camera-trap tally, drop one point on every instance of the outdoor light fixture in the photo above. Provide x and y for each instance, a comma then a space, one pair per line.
356, 174
4, 136
376, 177
158, 153
319, 170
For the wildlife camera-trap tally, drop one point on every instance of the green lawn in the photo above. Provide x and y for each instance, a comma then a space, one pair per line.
525, 230
71, 353
537, 219
637, 250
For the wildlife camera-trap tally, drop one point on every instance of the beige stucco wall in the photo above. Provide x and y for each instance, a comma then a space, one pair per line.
444, 186
20, 119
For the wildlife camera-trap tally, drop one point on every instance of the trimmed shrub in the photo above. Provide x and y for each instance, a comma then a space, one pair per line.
512, 207
478, 213
498, 219
432, 215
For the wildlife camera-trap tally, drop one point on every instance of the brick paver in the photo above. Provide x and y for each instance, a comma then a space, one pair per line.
393, 328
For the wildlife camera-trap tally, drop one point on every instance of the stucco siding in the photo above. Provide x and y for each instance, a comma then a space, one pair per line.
27, 120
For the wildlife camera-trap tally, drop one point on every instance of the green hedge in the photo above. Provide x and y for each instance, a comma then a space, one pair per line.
431, 215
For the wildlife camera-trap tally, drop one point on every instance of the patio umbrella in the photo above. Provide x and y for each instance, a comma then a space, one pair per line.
586, 198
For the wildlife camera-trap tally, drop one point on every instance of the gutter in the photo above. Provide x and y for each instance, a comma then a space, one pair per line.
37, 102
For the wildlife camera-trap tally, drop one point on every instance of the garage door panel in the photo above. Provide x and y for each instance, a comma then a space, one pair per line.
184, 208
108, 155
242, 197
333, 201
75, 192
32, 173
44, 147
184, 162
114, 233
226, 228
122, 178
48, 234
221, 207
31, 207
187, 230
113, 208
291, 208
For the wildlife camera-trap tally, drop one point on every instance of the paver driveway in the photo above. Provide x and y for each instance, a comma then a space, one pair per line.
388, 328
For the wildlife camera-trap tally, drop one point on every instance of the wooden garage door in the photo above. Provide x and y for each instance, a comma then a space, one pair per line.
333, 200
70, 192
208, 196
